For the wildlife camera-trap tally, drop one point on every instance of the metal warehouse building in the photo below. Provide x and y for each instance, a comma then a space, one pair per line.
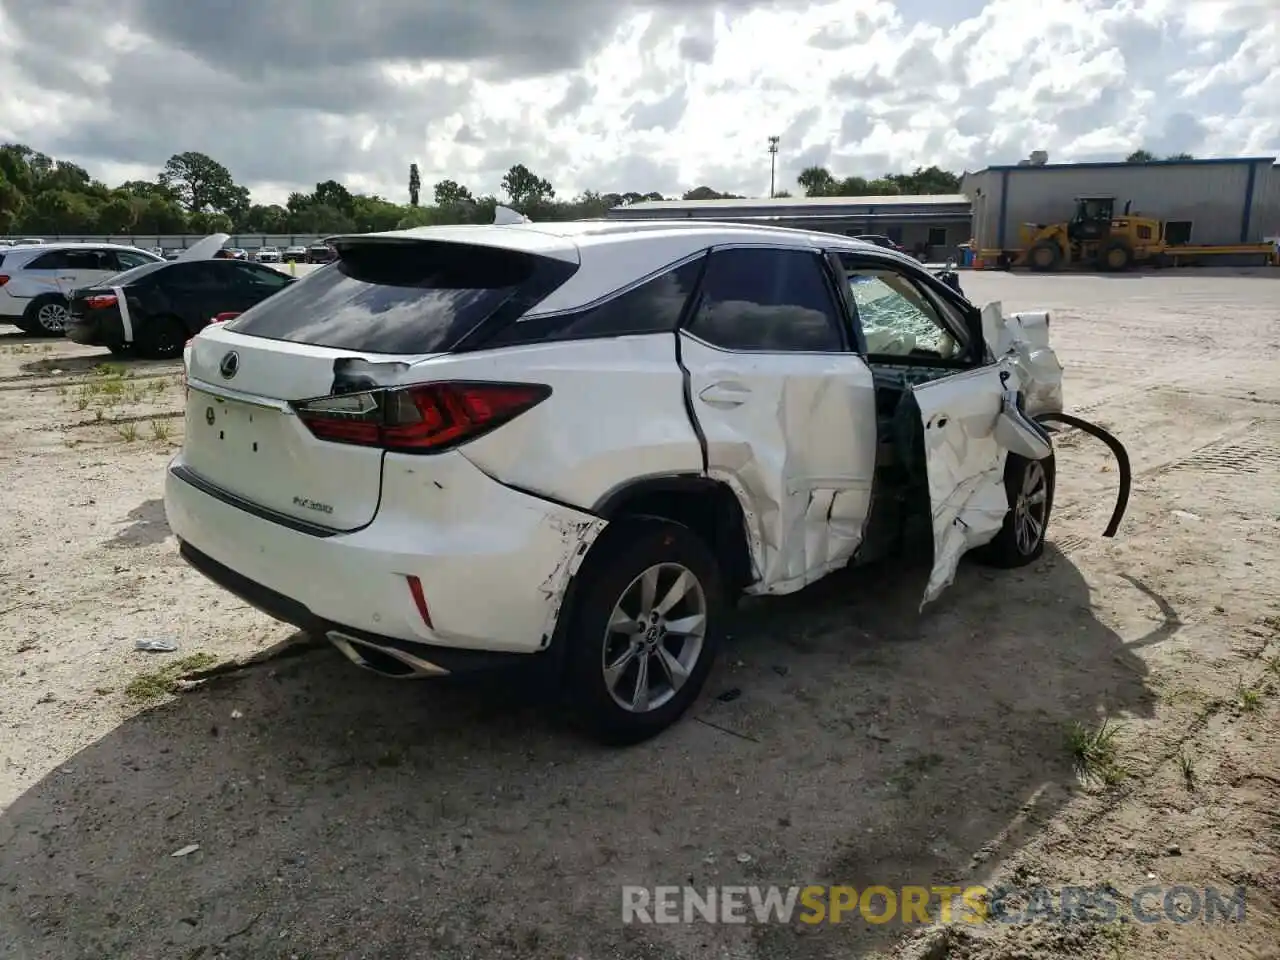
939, 223
1227, 201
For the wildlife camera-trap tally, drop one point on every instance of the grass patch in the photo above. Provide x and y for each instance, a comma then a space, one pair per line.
1187, 767
128, 432
1095, 754
1248, 699
160, 430
157, 684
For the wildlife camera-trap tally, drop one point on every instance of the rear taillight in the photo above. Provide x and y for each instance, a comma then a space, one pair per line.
421, 419
100, 300
4, 278
224, 317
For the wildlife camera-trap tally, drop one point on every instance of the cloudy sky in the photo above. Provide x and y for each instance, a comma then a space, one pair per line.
629, 94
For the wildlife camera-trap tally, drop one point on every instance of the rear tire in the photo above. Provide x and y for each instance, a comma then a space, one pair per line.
644, 630
162, 338
1115, 257
46, 316
1044, 256
1030, 486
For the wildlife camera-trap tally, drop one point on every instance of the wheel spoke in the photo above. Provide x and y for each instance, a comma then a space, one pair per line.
1033, 527
1036, 498
673, 668
687, 626
1031, 480
683, 584
640, 702
623, 622
614, 671
648, 591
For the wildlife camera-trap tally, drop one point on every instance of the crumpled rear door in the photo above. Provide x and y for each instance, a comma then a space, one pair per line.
971, 422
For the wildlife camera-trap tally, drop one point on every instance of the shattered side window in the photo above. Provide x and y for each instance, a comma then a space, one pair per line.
897, 317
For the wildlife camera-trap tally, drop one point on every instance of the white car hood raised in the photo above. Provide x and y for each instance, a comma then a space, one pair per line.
206, 248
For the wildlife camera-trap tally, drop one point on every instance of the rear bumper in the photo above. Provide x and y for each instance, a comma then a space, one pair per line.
12, 308
446, 660
96, 330
494, 564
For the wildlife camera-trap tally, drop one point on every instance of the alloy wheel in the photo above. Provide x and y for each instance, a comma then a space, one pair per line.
52, 317
1029, 511
654, 637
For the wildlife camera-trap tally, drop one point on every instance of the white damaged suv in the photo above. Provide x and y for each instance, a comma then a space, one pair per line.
578, 442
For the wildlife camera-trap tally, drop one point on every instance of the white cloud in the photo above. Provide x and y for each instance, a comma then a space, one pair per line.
673, 96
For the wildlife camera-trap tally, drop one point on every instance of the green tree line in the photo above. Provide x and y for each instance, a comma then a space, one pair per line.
194, 193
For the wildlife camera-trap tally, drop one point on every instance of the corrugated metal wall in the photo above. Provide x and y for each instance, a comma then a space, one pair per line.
1211, 196
983, 190
1264, 221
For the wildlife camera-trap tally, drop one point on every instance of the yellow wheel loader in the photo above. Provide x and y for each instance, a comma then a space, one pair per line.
1098, 238
1094, 237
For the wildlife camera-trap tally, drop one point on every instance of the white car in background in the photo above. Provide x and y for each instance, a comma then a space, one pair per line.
268, 255
576, 443
36, 281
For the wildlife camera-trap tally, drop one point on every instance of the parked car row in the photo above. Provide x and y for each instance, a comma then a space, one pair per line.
153, 310
128, 299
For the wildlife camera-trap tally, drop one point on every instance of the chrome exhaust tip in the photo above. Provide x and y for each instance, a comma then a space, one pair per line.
385, 661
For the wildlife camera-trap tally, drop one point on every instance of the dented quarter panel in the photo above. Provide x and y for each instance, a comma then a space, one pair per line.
638, 427
576, 537
794, 436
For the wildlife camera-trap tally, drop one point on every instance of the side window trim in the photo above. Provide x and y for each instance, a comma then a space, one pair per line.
612, 295
512, 335
857, 341
934, 291
694, 302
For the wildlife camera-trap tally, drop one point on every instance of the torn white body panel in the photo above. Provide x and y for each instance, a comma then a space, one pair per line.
1024, 338
793, 435
972, 422
965, 466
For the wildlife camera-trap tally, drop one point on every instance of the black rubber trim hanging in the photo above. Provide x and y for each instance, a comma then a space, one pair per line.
1122, 461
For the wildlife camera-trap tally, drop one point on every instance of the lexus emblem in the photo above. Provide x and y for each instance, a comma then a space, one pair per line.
229, 365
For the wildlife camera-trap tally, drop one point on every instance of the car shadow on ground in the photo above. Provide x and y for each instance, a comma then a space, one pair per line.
144, 526
844, 739
96, 361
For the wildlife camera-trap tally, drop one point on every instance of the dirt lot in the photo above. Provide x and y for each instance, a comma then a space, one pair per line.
340, 815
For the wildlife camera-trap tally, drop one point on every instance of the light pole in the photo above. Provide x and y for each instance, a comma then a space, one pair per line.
773, 161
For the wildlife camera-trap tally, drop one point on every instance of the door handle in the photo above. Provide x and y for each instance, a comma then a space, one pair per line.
725, 394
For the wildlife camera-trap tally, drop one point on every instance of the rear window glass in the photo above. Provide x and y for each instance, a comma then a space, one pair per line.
418, 297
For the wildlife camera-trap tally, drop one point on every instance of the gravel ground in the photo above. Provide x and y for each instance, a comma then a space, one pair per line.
844, 739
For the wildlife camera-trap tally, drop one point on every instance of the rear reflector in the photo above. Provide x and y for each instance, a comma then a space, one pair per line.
100, 300
425, 418
420, 601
